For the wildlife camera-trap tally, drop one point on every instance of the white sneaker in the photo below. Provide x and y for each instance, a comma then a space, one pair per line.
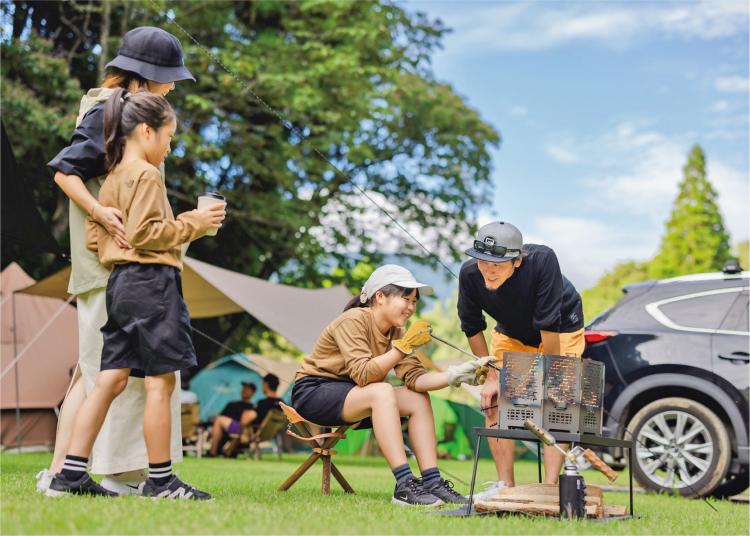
490, 490
43, 479
130, 483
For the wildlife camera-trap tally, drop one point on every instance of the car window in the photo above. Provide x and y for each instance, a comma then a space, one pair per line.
737, 316
706, 311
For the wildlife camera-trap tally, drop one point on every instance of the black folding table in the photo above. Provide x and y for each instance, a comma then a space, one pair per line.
560, 437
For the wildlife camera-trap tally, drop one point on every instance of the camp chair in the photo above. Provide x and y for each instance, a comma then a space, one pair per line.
194, 436
322, 447
273, 424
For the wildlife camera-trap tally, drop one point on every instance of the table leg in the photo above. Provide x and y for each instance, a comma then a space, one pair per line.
474, 475
539, 460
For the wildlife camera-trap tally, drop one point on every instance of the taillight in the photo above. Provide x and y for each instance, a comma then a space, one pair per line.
594, 336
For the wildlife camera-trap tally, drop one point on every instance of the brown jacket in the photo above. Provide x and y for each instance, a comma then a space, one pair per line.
137, 189
345, 349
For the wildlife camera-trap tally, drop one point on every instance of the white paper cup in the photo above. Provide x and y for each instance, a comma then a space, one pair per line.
206, 200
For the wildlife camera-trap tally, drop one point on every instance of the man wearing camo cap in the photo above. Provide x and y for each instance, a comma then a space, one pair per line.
536, 309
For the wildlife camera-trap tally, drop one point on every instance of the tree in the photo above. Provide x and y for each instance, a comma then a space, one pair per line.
695, 239
741, 251
608, 289
352, 80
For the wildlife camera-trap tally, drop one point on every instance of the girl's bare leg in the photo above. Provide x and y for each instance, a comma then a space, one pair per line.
88, 422
66, 420
421, 425
378, 401
157, 421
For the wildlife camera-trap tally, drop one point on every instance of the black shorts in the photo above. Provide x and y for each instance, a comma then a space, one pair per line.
148, 325
321, 400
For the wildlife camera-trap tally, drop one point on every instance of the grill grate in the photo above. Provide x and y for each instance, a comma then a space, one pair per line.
521, 389
592, 396
562, 392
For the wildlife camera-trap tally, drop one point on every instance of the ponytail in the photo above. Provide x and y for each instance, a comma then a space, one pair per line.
388, 290
123, 112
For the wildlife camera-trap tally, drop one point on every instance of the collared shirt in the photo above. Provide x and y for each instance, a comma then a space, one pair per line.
537, 297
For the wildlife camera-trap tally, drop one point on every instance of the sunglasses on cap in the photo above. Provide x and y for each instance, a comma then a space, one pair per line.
493, 249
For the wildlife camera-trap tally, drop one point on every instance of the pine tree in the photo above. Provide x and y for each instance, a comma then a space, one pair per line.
695, 239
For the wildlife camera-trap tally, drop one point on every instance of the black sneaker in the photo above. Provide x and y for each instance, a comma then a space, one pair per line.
443, 490
410, 492
85, 485
174, 489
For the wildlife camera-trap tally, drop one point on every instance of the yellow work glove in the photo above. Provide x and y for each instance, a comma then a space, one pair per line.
417, 335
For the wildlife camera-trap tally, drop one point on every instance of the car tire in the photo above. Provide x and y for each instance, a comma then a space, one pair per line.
734, 484
681, 447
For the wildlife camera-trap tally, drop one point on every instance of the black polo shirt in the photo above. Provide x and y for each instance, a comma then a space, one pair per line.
537, 297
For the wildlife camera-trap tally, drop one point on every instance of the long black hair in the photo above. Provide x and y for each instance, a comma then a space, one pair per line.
123, 112
388, 290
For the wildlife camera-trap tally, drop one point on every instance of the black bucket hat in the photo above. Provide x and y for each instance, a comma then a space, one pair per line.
152, 53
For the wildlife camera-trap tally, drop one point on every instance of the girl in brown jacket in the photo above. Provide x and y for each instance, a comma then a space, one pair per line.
343, 380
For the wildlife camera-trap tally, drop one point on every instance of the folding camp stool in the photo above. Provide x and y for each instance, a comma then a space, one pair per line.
322, 447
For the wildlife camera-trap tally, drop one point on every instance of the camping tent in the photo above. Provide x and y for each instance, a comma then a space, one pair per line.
297, 314
221, 382
45, 367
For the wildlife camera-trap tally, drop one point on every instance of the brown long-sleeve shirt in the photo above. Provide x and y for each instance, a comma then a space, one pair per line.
137, 189
347, 346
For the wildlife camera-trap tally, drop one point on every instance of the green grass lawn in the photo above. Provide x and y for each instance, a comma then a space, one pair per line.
246, 501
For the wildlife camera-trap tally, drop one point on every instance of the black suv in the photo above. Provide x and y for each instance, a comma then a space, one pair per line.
676, 356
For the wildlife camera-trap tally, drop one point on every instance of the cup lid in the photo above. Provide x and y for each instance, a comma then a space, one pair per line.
215, 195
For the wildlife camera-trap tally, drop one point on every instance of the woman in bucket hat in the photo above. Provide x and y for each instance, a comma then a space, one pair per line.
151, 59
343, 380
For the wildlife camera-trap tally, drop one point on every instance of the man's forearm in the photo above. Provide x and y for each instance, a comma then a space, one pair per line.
478, 344
76, 190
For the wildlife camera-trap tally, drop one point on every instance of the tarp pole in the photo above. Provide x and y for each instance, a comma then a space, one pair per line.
15, 358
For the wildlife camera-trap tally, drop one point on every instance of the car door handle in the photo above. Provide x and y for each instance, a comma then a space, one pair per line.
736, 357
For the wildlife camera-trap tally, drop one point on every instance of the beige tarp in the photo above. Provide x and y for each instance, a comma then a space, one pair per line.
45, 367
297, 314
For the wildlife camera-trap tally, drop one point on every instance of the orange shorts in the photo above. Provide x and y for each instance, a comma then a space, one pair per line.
570, 344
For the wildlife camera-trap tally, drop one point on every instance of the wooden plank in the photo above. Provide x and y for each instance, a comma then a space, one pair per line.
543, 499
615, 510
547, 509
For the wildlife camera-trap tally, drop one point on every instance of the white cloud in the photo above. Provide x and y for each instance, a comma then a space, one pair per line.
720, 106
561, 154
519, 111
629, 195
530, 26
732, 84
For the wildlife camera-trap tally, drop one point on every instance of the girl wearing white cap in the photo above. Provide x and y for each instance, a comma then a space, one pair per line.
343, 380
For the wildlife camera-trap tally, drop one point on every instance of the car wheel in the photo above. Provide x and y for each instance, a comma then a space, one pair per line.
734, 484
681, 447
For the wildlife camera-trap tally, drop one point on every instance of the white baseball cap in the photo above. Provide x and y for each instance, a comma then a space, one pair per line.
391, 274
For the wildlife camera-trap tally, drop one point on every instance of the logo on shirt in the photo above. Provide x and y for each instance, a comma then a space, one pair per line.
573, 317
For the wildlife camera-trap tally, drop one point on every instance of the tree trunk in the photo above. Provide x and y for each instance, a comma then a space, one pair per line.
104, 40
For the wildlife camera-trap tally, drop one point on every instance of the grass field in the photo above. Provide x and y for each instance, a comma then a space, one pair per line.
246, 501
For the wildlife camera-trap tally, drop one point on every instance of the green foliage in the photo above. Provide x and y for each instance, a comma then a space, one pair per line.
352, 79
443, 318
694, 239
608, 289
741, 251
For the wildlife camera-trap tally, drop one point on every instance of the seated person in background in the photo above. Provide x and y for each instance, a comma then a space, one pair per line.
231, 417
254, 417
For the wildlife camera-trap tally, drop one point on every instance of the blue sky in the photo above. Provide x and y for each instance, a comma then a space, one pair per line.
598, 104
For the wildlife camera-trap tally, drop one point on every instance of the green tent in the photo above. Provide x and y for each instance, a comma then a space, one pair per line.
221, 382
453, 424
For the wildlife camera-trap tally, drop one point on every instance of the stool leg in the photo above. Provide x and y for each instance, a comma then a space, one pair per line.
326, 475
299, 472
340, 478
